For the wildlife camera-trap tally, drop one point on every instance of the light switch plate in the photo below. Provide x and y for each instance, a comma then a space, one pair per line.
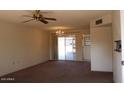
122, 62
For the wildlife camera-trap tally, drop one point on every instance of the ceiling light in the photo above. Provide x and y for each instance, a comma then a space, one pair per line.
59, 32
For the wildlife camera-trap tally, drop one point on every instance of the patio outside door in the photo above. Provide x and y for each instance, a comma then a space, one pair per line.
66, 48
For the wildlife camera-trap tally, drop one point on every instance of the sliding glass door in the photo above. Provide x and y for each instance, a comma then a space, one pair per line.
61, 48
66, 48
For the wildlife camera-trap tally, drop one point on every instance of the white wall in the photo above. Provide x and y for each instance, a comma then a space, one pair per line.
122, 32
117, 68
101, 49
21, 47
122, 38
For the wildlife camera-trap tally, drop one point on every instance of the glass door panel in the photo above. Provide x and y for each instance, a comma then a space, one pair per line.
61, 48
66, 48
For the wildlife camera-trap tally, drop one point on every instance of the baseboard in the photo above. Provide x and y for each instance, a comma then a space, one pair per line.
100, 71
70, 60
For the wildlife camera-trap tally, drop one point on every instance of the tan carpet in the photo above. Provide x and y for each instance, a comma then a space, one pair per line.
60, 72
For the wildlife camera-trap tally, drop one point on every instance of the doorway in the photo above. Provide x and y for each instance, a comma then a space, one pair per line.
66, 48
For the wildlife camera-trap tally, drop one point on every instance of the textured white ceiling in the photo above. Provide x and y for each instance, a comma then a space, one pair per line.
66, 19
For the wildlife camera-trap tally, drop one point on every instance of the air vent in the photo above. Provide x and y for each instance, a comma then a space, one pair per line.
102, 21
98, 21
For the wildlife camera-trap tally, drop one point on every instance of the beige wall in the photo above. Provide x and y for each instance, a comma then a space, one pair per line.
86, 49
53, 47
117, 69
79, 47
81, 54
87, 53
21, 47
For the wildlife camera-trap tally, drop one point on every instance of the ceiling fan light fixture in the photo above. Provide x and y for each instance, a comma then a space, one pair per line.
59, 32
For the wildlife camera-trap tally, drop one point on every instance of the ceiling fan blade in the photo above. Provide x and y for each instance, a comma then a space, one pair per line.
28, 20
50, 18
45, 22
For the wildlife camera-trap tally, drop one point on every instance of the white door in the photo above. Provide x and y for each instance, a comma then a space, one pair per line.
101, 49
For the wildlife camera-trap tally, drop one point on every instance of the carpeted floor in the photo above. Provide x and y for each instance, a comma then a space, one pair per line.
59, 72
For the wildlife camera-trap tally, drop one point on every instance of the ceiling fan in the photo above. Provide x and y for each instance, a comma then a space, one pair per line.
38, 16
